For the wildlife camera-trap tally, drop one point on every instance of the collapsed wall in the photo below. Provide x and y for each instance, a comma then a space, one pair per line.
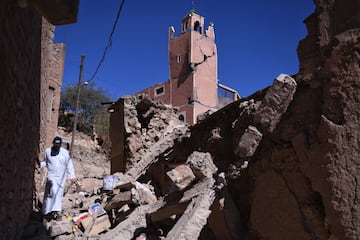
135, 125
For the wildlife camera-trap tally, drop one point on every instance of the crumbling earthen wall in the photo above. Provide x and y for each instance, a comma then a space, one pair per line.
135, 126
116, 134
20, 66
298, 180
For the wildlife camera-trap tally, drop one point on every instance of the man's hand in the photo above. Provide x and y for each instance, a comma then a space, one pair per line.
42, 164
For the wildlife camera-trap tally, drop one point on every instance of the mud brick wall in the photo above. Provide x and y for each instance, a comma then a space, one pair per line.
46, 36
56, 67
20, 67
52, 68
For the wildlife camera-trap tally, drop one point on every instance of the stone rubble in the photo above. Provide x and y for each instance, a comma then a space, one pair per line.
167, 197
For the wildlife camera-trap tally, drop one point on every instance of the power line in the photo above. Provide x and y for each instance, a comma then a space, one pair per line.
109, 43
86, 71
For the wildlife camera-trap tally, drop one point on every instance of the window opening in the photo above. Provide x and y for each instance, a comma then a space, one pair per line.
197, 27
50, 103
159, 91
182, 118
225, 96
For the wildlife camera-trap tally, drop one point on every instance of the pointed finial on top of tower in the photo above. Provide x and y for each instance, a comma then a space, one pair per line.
192, 6
192, 10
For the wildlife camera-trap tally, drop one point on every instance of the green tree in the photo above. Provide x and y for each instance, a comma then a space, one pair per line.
90, 108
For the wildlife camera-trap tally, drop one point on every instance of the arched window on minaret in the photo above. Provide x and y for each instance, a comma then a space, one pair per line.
197, 27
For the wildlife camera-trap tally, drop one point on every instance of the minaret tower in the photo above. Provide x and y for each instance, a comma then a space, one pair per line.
193, 67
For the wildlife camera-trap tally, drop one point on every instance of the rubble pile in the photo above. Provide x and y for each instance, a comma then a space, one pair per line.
134, 205
173, 191
90, 160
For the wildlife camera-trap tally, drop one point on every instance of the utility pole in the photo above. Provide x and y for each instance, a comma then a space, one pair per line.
77, 104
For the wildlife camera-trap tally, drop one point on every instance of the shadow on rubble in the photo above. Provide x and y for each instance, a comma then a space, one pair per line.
35, 230
116, 215
148, 233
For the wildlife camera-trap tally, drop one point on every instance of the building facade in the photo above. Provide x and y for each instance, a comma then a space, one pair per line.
193, 85
52, 69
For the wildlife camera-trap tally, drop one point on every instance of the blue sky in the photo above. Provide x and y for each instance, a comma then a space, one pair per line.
256, 41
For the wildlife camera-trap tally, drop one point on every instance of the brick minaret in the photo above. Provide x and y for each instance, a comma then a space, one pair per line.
193, 67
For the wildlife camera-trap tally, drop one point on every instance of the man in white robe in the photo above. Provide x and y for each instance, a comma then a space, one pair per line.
59, 165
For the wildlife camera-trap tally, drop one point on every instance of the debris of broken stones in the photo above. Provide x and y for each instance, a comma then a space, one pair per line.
136, 206
182, 211
130, 198
181, 176
246, 146
202, 165
275, 103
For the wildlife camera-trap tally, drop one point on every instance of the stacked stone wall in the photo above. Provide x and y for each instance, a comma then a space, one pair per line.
56, 69
46, 37
52, 68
